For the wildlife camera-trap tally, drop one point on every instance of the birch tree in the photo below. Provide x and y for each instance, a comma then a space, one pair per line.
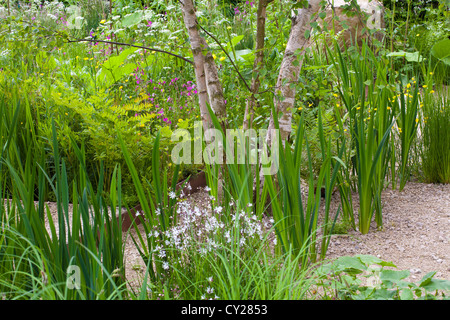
291, 65
208, 83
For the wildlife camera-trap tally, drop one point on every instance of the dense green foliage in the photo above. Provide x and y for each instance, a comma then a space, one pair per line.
90, 96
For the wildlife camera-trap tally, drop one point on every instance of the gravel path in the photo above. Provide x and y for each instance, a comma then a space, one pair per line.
415, 236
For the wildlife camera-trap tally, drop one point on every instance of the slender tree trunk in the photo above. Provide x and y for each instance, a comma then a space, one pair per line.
190, 21
290, 70
214, 88
259, 61
208, 82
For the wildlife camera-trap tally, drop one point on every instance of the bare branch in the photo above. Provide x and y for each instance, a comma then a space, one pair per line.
134, 46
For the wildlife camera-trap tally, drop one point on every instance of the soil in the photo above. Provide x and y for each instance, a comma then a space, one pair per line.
415, 234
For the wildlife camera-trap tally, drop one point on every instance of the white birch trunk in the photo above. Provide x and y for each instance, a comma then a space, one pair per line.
290, 70
190, 21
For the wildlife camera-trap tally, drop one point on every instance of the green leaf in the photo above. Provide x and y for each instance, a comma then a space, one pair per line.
369, 260
236, 40
441, 51
307, 33
427, 279
431, 284
132, 19
438, 284
409, 56
350, 264
244, 55
406, 295
393, 275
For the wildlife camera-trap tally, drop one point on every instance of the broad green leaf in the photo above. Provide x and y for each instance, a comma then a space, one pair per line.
369, 260
244, 55
441, 51
435, 284
350, 263
393, 275
236, 40
132, 19
409, 56
427, 279
406, 295
115, 61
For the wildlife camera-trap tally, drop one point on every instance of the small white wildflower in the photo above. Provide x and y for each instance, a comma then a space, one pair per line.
271, 221
218, 209
138, 213
216, 297
209, 290
202, 297
207, 189
210, 279
162, 254
172, 195
165, 265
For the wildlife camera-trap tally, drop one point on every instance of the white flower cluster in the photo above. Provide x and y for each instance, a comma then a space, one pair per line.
205, 230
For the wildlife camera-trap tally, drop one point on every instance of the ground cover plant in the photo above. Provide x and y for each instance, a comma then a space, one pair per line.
95, 94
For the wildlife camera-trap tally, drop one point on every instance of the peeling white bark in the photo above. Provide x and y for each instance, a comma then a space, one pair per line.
209, 86
290, 69
190, 21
